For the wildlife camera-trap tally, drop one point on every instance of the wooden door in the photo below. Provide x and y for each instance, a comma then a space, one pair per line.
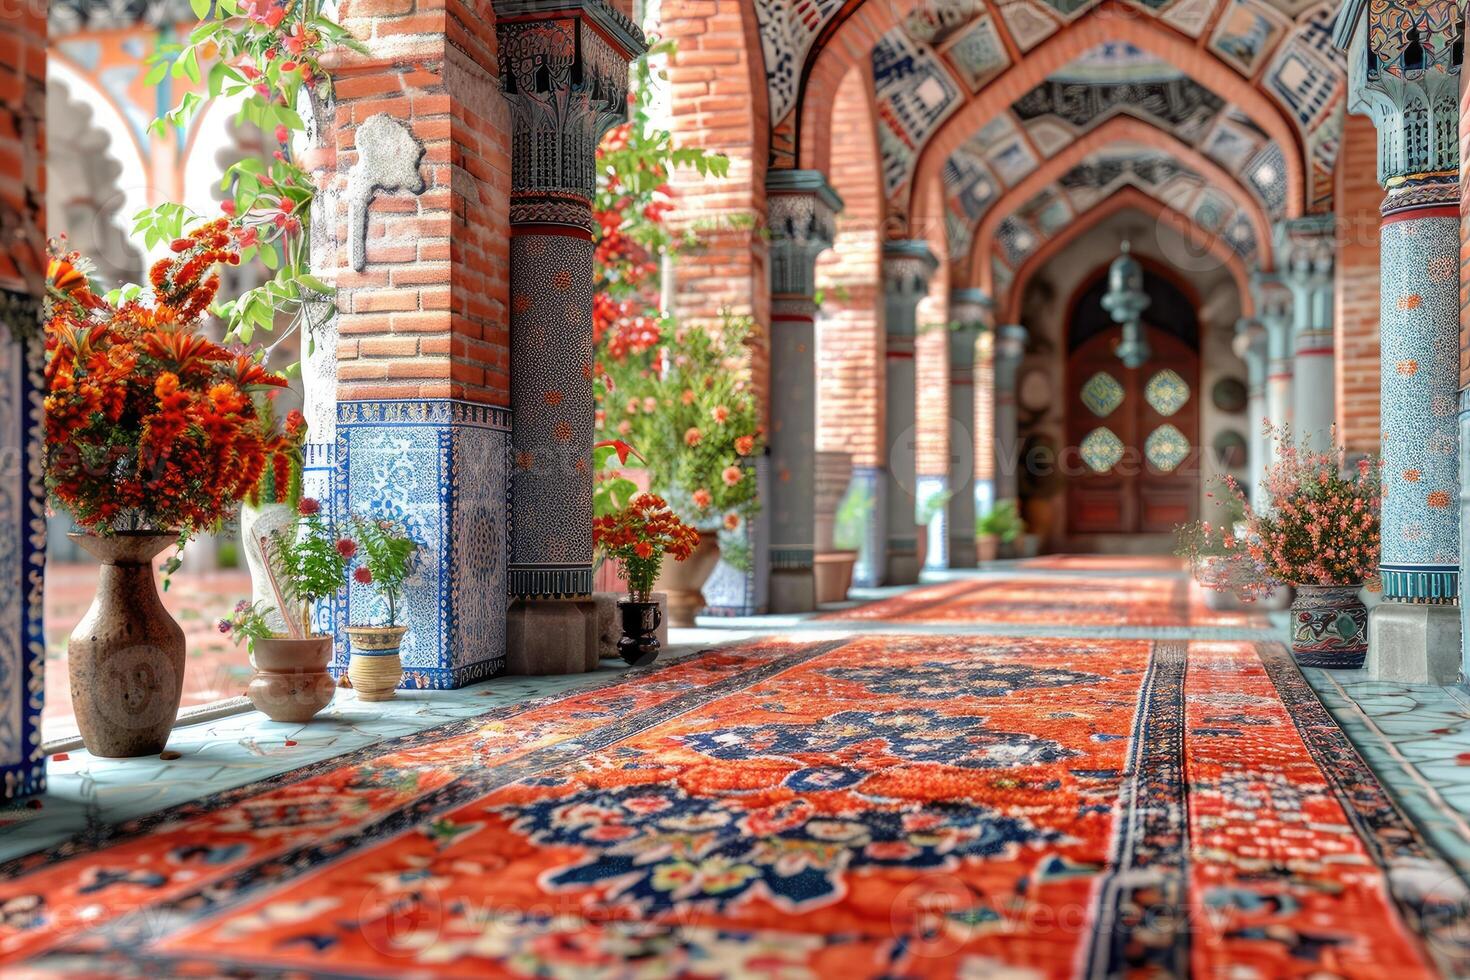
1134, 465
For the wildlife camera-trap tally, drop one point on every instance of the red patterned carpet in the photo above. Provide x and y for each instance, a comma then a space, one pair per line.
1073, 600
876, 806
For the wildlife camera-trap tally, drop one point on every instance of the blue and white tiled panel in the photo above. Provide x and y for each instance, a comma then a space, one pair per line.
731, 591
22, 564
872, 483
927, 488
317, 479
439, 467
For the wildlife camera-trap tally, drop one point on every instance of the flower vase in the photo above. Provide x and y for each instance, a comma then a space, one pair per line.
291, 682
683, 580
126, 657
258, 522
639, 643
376, 669
1329, 626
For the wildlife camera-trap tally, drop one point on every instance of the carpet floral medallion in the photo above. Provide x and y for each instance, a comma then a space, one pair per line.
874, 806
1146, 600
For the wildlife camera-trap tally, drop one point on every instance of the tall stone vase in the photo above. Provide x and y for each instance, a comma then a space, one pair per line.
256, 523
126, 656
684, 580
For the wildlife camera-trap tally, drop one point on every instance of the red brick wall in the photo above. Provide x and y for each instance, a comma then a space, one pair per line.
23, 144
427, 317
1358, 198
931, 355
850, 373
717, 104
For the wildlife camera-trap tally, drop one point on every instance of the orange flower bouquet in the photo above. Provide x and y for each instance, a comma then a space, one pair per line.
151, 426
639, 536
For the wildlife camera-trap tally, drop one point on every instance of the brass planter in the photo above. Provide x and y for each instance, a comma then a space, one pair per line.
376, 669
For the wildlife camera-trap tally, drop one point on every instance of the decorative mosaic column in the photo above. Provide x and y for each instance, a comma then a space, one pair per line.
1251, 347
564, 70
1274, 309
23, 558
907, 266
802, 210
1010, 348
1305, 250
969, 315
1403, 71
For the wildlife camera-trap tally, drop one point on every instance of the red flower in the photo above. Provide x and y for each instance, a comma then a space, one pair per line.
363, 575
309, 506
346, 547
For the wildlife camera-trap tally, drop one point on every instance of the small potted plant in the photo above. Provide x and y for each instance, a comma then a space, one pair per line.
639, 536
1317, 530
1001, 524
384, 553
304, 564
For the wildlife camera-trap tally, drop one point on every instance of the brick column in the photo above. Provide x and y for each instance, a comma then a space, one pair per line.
564, 71
907, 266
802, 209
1010, 348
22, 432
1274, 308
1402, 72
1251, 347
970, 314
1305, 248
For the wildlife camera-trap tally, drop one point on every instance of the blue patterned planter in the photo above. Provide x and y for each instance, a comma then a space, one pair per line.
1329, 626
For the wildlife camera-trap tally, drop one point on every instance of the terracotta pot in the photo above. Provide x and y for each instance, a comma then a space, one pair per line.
638, 645
126, 656
375, 669
291, 681
987, 547
1329, 626
682, 580
833, 571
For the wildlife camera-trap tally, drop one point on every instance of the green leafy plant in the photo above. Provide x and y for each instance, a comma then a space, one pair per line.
851, 521
611, 490
385, 554
308, 564
931, 506
1003, 521
248, 623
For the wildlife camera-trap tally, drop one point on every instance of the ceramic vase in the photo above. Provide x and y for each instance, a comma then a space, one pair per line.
376, 669
255, 523
1329, 626
126, 656
638, 645
291, 682
683, 580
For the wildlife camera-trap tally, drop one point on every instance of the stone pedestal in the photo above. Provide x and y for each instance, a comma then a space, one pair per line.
552, 636
907, 266
1413, 643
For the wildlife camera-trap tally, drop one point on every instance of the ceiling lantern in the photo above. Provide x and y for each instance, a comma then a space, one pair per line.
1125, 302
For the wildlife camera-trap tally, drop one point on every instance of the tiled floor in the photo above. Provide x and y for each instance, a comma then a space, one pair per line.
1417, 738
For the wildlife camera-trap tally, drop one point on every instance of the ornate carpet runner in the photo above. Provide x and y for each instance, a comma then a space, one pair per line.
881, 806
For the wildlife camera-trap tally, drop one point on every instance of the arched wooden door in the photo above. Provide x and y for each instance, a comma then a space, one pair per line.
1134, 432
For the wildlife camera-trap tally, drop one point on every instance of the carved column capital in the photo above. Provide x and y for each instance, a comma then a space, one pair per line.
801, 214
907, 267
564, 72
1010, 347
972, 309
1250, 345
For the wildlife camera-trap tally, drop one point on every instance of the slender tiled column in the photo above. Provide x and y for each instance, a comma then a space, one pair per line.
1251, 347
1305, 249
907, 266
1010, 347
1274, 309
969, 315
985, 423
802, 209
564, 70
1403, 71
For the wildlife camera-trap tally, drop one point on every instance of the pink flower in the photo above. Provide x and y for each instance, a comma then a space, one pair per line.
721, 413
363, 575
702, 499
282, 134
732, 475
692, 437
228, 207
224, 626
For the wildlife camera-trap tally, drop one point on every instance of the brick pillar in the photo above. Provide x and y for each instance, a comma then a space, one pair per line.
802, 209
1251, 347
1359, 200
564, 70
1402, 72
1010, 348
1274, 307
970, 315
22, 436
907, 267
1305, 248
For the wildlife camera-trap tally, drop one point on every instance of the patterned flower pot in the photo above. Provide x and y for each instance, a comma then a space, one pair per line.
375, 669
639, 644
126, 656
1329, 626
682, 580
291, 681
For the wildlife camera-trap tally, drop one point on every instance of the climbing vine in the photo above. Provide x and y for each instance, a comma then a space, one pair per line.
266, 53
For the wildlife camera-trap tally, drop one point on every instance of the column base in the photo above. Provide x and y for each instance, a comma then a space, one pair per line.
551, 636
793, 590
962, 553
872, 483
1414, 643
902, 567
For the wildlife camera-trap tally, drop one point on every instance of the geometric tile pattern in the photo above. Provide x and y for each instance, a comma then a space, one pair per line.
1166, 392
1102, 394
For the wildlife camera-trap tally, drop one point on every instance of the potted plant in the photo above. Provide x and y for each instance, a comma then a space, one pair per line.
1001, 524
639, 536
153, 433
291, 682
384, 553
1317, 530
